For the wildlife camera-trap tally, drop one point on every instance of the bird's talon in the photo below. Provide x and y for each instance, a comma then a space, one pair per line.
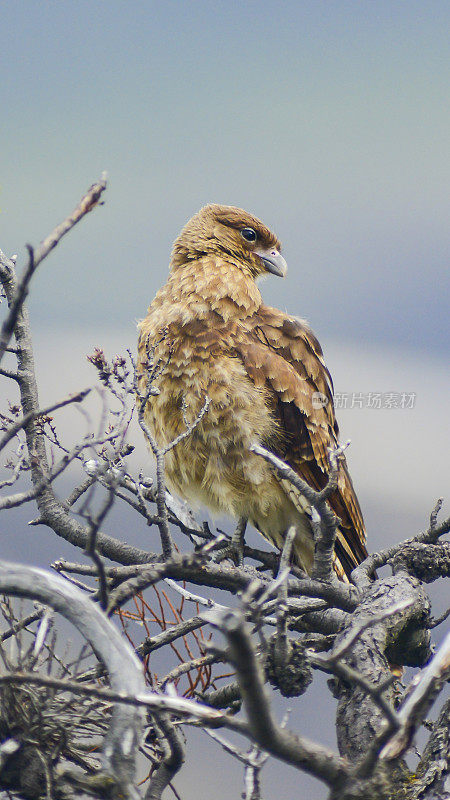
229, 552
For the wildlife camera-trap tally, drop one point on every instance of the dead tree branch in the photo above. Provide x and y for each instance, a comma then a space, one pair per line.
17, 290
124, 669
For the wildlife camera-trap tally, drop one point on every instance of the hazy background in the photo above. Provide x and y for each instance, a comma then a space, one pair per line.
330, 121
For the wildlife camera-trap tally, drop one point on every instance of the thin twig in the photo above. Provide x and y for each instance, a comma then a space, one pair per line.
419, 701
43, 412
16, 291
282, 646
325, 532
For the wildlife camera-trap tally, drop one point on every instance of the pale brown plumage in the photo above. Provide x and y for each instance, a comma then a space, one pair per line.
212, 335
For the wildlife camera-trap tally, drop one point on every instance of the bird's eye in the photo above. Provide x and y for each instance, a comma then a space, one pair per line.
249, 234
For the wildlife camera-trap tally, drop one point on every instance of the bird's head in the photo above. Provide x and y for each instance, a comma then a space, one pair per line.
230, 232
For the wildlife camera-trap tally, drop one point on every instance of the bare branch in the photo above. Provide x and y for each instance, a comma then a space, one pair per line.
190, 710
187, 666
325, 532
415, 708
349, 640
253, 760
16, 291
296, 750
361, 575
282, 644
123, 667
190, 426
172, 760
170, 635
91, 549
434, 767
43, 412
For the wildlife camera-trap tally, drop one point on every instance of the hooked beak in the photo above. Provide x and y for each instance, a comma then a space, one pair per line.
273, 261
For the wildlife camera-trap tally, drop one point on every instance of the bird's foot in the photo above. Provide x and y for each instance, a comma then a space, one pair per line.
234, 549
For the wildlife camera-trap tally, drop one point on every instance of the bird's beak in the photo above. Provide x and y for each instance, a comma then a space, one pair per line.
273, 261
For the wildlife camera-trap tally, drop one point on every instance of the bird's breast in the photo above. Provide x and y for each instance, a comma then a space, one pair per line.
214, 464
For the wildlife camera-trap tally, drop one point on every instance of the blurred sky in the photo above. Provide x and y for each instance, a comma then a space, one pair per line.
329, 120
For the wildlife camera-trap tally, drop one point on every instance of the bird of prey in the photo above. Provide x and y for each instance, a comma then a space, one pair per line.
209, 335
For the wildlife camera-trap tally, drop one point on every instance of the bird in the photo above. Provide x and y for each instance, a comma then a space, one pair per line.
234, 372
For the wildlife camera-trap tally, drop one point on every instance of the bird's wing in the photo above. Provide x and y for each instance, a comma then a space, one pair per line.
281, 354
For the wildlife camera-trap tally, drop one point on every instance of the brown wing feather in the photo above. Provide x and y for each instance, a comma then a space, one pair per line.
285, 357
